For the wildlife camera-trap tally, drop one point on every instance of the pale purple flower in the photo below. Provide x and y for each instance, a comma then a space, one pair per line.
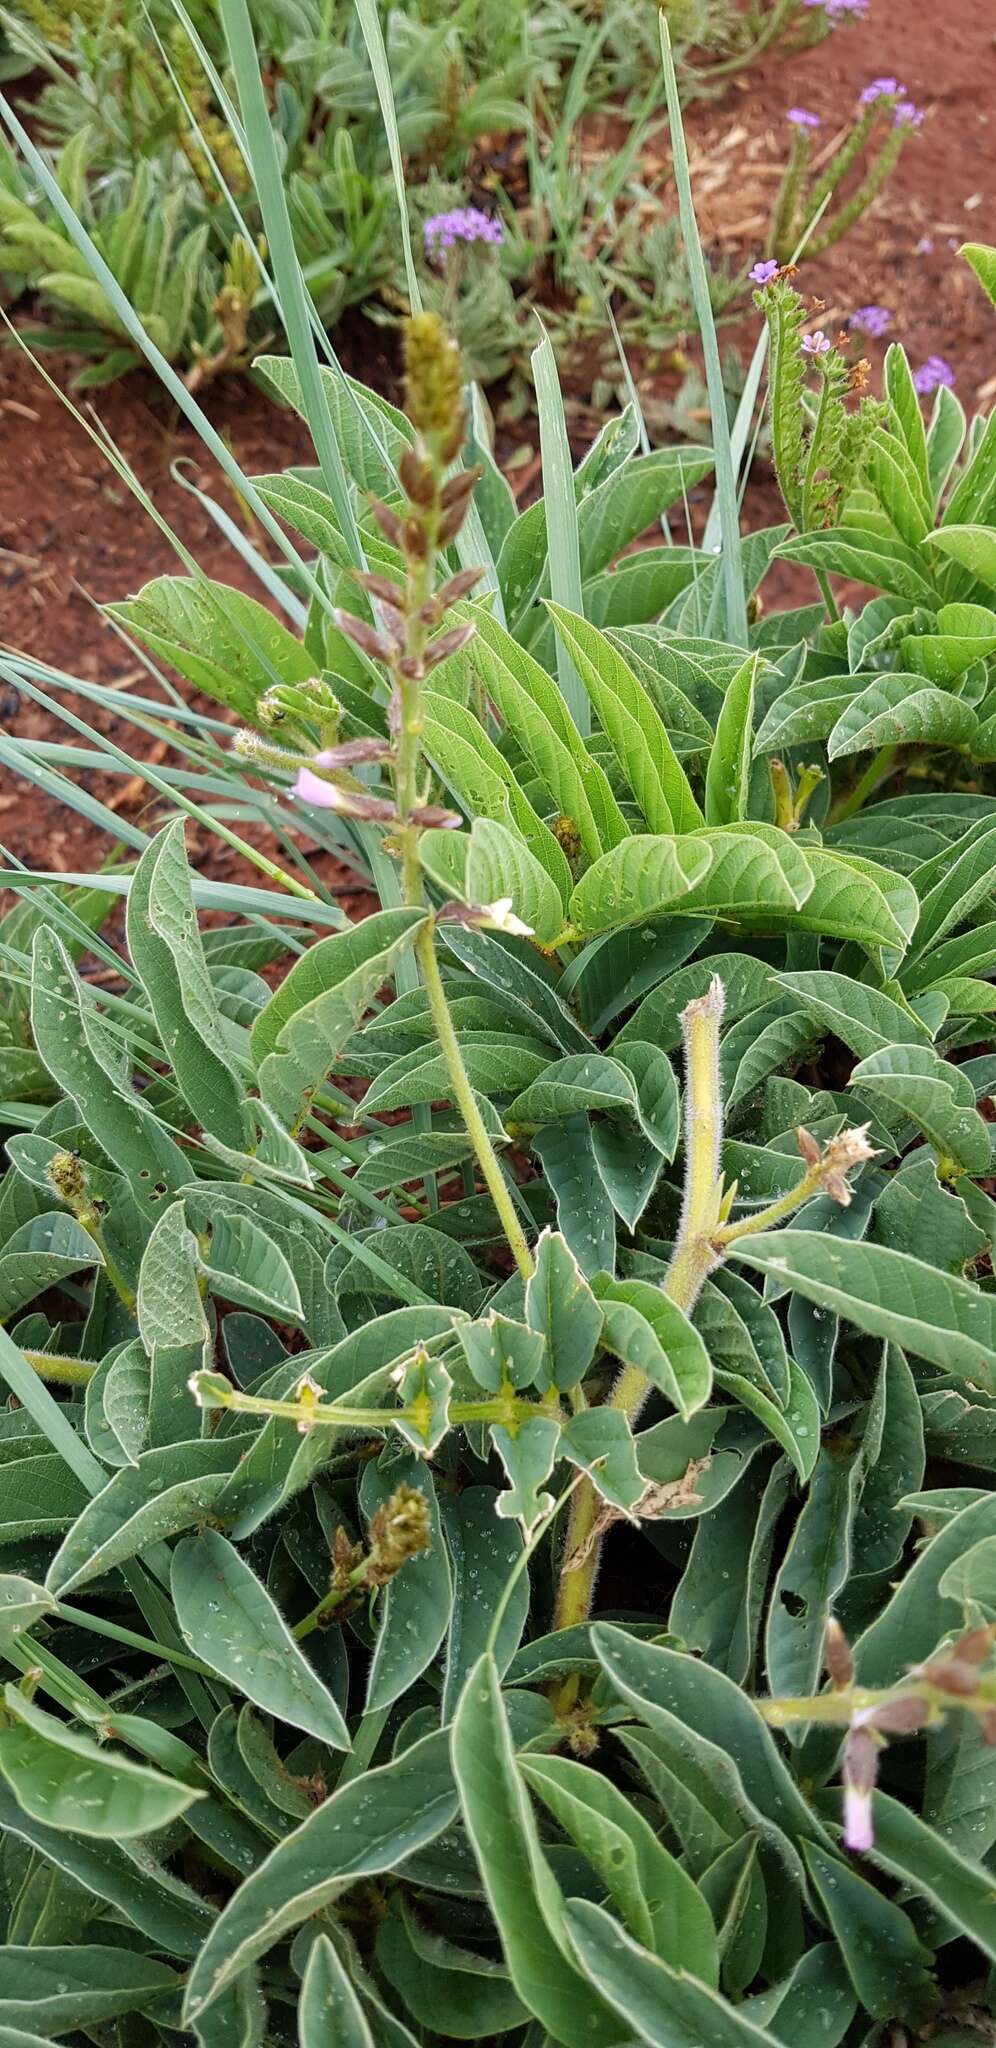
763, 273
871, 320
858, 1832
460, 224
880, 88
907, 115
924, 246
800, 117
314, 789
859, 1774
933, 372
816, 344
836, 8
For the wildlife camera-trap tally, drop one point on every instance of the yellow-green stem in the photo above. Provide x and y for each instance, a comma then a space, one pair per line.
693, 1258
466, 1101
837, 1709
62, 1372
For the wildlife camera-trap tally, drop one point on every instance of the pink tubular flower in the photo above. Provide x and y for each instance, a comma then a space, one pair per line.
800, 117
880, 88
313, 789
858, 1832
933, 372
816, 344
860, 1773
763, 273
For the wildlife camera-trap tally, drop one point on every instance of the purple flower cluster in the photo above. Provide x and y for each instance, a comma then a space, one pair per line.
879, 89
871, 320
461, 224
763, 273
933, 372
801, 118
836, 8
907, 115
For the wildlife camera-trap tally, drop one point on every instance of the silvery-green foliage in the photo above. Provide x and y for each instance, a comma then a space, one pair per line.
290, 1738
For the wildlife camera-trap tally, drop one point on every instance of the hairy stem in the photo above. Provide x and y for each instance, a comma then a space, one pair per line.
694, 1257
60, 1371
837, 1709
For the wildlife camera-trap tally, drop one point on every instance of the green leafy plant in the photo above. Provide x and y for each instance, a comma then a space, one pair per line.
613, 1199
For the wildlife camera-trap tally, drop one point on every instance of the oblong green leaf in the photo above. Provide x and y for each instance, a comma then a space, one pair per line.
66, 1780
228, 1619
932, 1314
368, 1825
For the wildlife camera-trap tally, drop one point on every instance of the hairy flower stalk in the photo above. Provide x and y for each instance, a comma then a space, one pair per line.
705, 1235
407, 641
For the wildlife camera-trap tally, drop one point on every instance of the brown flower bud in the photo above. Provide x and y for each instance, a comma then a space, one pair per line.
362, 636
418, 477
413, 541
380, 587
459, 488
351, 753
435, 816
458, 586
448, 643
451, 444
975, 1645
901, 1716
842, 1153
837, 1653
808, 1146
388, 521
949, 1674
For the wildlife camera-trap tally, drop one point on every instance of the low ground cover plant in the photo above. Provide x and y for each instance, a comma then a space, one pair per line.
497, 1532
135, 115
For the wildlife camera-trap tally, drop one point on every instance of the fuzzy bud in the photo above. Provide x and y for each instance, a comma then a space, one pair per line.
398, 1531
67, 1173
432, 377
837, 1656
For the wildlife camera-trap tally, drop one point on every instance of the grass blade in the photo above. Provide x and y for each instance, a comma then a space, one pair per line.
726, 483
373, 37
563, 545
